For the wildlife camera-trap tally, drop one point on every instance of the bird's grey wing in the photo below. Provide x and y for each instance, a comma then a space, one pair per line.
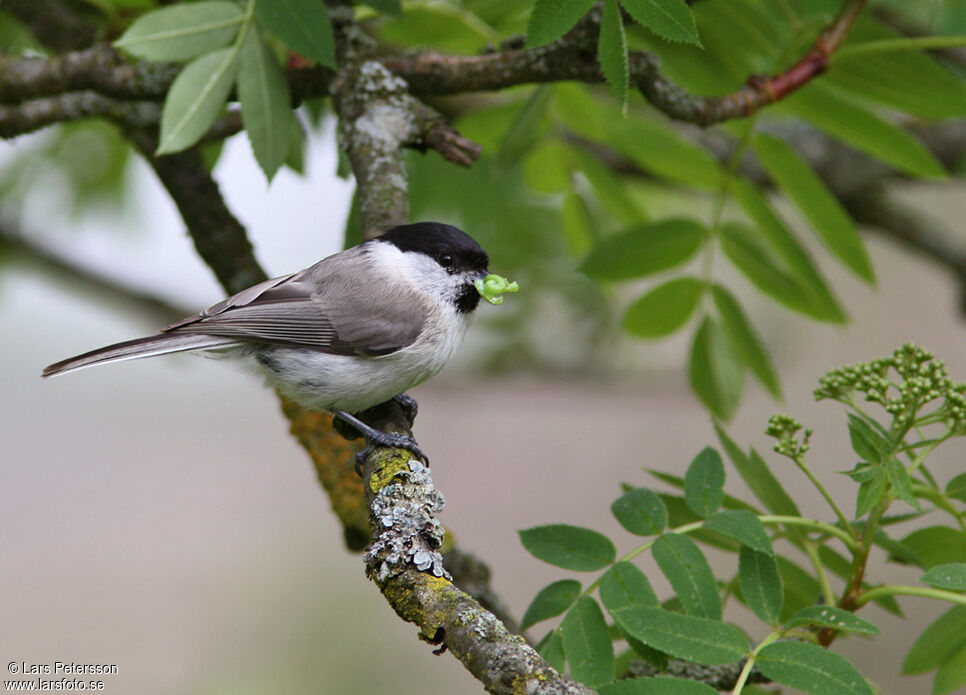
320, 308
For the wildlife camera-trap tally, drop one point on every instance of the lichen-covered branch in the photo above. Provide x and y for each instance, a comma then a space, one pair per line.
573, 57
34, 114
377, 118
100, 69
405, 563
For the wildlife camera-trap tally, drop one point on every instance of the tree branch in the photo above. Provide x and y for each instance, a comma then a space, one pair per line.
573, 57
377, 117
405, 563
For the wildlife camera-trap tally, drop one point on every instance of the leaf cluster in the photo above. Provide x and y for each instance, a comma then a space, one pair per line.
770, 538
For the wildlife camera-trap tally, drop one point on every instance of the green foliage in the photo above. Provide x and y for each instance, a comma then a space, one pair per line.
704, 483
665, 308
302, 25
183, 32
785, 561
587, 643
266, 104
551, 601
640, 511
227, 51
570, 547
811, 669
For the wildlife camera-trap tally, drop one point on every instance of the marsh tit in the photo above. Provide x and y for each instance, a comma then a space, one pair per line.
356, 329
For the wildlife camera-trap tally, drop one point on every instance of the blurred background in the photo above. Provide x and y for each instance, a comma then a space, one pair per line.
156, 514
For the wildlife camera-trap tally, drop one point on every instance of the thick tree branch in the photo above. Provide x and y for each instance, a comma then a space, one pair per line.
404, 562
34, 114
102, 70
377, 118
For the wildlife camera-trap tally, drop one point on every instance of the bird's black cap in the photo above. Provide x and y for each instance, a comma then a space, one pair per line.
437, 240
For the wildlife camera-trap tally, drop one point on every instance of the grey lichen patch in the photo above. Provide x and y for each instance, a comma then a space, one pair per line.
404, 524
376, 120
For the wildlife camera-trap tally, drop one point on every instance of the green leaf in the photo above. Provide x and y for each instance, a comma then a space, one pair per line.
182, 32
524, 130
656, 685
551, 649
578, 223
870, 492
551, 19
704, 483
823, 210
662, 151
640, 511
811, 669
716, 370
645, 249
743, 526
295, 158
951, 575
610, 189
391, 7
665, 308
951, 673
625, 585
689, 574
747, 344
909, 81
743, 249
868, 443
938, 642
758, 477
670, 19
266, 104
612, 51
678, 482
840, 116
834, 617
812, 295
760, 584
571, 547
956, 488
195, 99
551, 601
701, 640
587, 643
901, 482
548, 168
801, 588
937, 545
302, 25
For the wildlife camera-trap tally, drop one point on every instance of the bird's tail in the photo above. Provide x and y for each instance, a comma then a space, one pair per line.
160, 344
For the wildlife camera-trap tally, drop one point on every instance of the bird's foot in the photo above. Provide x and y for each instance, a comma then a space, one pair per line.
409, 405
374, 438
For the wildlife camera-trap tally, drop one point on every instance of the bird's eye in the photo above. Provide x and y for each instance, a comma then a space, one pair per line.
446, 260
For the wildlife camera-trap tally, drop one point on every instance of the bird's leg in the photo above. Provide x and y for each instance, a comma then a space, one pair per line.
374, 438
409, 405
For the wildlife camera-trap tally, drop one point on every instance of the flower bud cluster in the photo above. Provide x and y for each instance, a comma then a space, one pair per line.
785, 428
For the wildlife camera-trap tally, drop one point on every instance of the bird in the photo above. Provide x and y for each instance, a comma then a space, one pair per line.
357, 329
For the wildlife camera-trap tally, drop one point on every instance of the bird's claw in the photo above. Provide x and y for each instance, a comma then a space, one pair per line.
409, 406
